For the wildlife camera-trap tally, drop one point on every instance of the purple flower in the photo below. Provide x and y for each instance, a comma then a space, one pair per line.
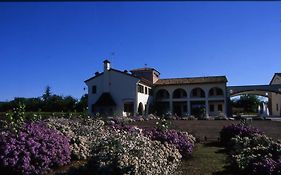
230, 131
181, 140
34, 150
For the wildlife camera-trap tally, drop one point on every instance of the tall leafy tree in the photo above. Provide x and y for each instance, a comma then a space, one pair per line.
82, 104
249, 103
47, 94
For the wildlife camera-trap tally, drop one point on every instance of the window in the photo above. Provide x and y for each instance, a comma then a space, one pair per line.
94, 89
145, 90
212, 108
140, 88
220, 107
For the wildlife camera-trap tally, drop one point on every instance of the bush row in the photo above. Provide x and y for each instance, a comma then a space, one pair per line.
183, 141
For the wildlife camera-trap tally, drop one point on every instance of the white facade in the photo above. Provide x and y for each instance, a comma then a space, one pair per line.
123, 88
144, 99
115, 92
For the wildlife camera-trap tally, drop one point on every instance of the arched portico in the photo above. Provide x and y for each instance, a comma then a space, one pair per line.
215, 92
179, 102
162, 94
162, 103
197, 93
179, 93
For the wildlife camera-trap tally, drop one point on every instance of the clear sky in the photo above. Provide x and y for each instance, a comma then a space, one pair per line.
63, 44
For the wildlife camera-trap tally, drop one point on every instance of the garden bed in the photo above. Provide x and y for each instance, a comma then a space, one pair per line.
61, 145
116, 146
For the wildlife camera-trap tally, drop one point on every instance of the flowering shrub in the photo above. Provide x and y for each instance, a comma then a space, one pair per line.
163, 124
259, 159
266, 166
83, 134
238, 143
254, 153
33, 150
137, 118
123, 149
128, 128
131, 153
230, 131
15, 119
183, 141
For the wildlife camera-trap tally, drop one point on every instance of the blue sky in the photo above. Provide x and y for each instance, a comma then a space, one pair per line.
63, 44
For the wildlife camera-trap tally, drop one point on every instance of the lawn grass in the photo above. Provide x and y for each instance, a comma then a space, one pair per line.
206, 159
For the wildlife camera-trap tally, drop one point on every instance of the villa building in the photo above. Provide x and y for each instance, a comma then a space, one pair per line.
141, 91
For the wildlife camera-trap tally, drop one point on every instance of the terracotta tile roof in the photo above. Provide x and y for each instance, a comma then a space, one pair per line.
145, 81
144, 69
192, 80
93, 77
142, 80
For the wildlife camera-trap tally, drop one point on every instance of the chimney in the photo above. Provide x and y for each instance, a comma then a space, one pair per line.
106, 65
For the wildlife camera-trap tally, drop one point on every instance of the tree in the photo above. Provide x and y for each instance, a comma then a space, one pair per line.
249, 103
48, 102
46, 96
82, 104
54, 104
69, 104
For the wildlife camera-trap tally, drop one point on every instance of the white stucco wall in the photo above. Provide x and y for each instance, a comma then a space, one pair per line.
121, 87
145, 99
92, 98
276, 101
276, 98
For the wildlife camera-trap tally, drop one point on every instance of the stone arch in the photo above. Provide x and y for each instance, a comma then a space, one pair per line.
197, 93
215, 91
259, 93
179, 93
162, 94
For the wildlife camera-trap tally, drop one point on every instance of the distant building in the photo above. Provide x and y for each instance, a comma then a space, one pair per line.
141, 91
275, 98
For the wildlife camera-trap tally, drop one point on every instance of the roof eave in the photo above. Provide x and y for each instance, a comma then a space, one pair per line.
274, 77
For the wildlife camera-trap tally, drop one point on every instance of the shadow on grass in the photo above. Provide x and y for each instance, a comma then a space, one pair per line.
228, 170
213, 144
